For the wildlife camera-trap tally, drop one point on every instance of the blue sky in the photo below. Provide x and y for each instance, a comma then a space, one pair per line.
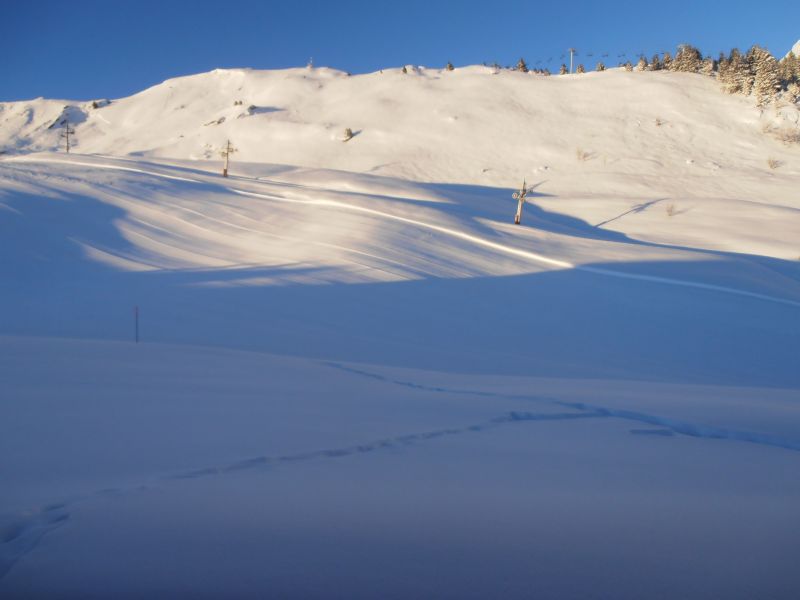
98, 49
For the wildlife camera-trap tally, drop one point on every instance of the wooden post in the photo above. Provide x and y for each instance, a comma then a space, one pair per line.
67, 132
520, 197
226, 154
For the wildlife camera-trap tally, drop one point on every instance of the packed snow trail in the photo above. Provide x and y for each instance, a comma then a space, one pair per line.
473, 239
23, 535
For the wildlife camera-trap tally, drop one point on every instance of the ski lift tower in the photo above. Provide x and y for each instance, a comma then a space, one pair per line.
572, 52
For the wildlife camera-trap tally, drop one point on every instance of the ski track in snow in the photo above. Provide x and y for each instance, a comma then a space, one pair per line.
676, 426
532, 256
23, 532
20, 534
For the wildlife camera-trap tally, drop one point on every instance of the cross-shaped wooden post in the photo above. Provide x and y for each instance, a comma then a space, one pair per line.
226, 154
68, 131
520, 197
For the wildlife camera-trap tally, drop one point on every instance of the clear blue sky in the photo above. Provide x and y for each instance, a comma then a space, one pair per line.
108, 49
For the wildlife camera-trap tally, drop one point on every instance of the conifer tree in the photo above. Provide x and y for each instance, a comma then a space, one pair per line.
790, 69
667, 61
580, 69
687, 60
722, 67
708, 66
563, 69
450, 66
628, 66
655, 63
642, 64
745, 74
521, 66
736, 70
766, 77
600, 66
793, 92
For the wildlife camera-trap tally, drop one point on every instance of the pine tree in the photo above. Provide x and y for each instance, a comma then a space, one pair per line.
736, 71
521, 66
793, 92
450, 66
708, 67
600, 66
563, 69
642, 64
628, 66
722, 67
580, 69
745, 74
687, 60
667, 61
655, 64
766, 80
790, 69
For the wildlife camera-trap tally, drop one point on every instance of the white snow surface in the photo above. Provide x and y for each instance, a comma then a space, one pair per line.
358, 378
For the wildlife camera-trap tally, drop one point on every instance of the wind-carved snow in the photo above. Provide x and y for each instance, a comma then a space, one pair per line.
351, 346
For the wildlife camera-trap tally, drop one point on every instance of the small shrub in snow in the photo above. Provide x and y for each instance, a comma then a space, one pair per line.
563, 69
580, 69
582, 154
672, 210
405, 71
789, 136
628, 66
600, 66
450, 66
659, 122
773, 163
348, 135
521, 66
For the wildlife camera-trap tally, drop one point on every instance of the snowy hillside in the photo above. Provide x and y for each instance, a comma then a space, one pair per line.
358, 378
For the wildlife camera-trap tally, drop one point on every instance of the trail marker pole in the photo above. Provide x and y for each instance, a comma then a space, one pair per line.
571, 54
68, 131
136, 323
226, 154
520, 197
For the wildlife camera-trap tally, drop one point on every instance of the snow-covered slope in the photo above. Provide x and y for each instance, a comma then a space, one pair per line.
464, 126
795, 49
357, 374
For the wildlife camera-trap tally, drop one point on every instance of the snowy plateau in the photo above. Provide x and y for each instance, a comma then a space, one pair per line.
356, 377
